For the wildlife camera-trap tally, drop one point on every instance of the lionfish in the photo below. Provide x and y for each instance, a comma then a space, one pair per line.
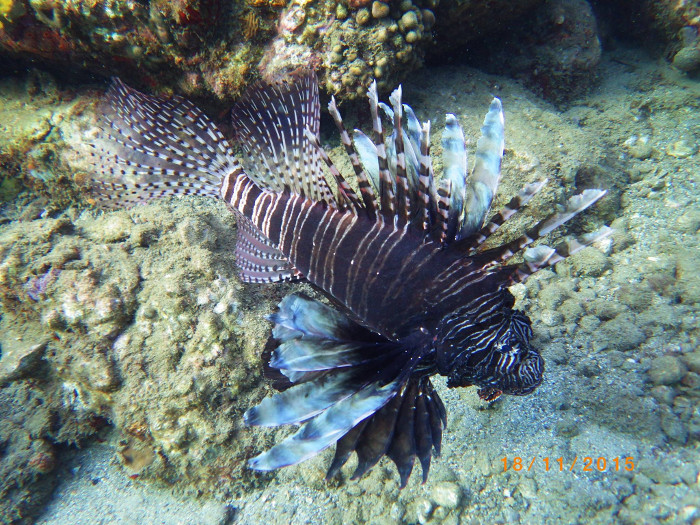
400, 256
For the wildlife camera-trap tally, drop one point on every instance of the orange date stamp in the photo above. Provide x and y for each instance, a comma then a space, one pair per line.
584, 464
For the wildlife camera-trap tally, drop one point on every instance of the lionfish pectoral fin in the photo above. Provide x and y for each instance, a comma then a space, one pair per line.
325, 429
409, 426
350, 386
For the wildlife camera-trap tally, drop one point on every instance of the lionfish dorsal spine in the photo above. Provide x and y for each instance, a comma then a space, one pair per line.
543, 256
426, 188
346, 195
517, 203
454, 155
574, 205
485, 176
369, 197
403, 196
444, 200
386, 186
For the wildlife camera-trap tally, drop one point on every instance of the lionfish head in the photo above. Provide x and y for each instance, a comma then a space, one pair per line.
498, 363
519, 369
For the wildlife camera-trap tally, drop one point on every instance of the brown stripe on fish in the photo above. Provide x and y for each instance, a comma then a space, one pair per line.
403, 198
386, 187
366, 191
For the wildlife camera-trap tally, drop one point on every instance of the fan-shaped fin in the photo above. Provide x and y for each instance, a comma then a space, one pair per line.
300, 316
112, 195
422, 433
271, 123
344, 448
313, 354
301, 402
344, 375
326, 428
437, 416
376, 437
408, 426
402, 450
153, 147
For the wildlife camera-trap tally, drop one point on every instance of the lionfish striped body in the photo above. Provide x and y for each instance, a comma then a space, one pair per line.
401, 258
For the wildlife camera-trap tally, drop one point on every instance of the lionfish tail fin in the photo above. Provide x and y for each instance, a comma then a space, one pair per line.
344, 379
152, 147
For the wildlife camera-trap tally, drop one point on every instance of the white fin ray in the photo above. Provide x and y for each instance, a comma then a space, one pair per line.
308, 355
574, 206
300, 402
326, 428
486, 174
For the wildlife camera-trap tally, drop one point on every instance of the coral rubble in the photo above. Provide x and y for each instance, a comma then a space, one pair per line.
107, 319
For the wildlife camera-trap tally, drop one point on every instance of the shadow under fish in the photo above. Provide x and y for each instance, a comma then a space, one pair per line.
402, 258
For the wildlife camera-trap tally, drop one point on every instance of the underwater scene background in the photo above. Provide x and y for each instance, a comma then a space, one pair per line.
129, 348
